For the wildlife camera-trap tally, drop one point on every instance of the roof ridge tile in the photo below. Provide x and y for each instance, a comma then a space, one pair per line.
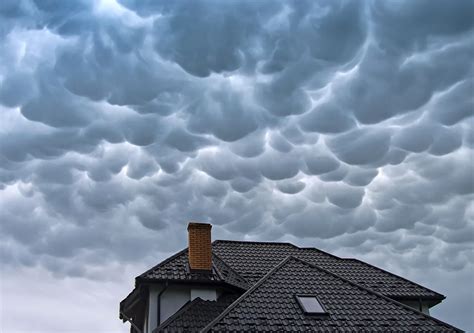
254, 242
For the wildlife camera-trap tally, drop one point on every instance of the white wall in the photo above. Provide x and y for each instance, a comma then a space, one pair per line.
152, 308
206, 294
172, 299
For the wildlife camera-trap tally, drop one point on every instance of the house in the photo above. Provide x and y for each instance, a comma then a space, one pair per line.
224, 286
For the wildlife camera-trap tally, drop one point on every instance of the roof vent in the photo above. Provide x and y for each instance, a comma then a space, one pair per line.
199, 247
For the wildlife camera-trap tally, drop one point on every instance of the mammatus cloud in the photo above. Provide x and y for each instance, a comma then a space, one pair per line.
344, 125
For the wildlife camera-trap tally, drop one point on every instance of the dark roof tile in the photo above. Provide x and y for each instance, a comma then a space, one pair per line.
252, 260
355, 293
241, 264
270, 305
176, 268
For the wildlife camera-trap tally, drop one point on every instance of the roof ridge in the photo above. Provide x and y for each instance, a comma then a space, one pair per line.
178, 313
393, 274
244, 295
374, 292
253, 242
319, 250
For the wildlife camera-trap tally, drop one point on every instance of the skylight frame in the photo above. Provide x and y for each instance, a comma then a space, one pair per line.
325, 312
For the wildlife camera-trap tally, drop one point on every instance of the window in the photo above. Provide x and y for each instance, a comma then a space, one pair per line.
310, 305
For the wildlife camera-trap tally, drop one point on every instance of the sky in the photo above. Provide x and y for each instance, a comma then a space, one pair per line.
343, 125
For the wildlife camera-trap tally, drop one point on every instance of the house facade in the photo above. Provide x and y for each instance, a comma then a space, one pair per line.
273, 287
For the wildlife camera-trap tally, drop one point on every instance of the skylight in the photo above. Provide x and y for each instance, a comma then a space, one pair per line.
310, 304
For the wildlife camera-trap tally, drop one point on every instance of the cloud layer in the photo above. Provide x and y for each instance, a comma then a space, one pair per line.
346, 125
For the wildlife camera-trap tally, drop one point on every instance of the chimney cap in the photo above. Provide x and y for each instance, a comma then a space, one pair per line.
199, 225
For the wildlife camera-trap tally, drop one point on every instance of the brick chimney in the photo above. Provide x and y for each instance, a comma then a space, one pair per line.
199, 247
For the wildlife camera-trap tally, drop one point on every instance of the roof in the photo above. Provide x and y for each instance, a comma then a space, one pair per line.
358, 296
252, 260
176, 268
270, 305
195, 315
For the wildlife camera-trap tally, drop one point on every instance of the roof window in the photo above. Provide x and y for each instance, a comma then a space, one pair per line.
310, 305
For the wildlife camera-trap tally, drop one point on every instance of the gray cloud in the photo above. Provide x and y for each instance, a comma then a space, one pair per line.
361, 146
338, 124
327, 118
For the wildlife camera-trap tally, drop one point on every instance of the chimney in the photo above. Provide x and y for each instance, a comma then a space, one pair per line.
199, 247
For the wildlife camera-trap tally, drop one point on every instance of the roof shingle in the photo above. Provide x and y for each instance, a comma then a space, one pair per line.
358, 296
176, 268
270, 306
252, 260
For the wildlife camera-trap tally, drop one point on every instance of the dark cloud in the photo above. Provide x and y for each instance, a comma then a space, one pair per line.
291, 187
344, 196
360, 177
339, 124
187, 33
224, 113
56, 107
361, 146
276, 166
454, 104
16, 89
319, 164
327, 118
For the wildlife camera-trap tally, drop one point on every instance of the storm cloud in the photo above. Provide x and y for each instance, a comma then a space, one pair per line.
345, 125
